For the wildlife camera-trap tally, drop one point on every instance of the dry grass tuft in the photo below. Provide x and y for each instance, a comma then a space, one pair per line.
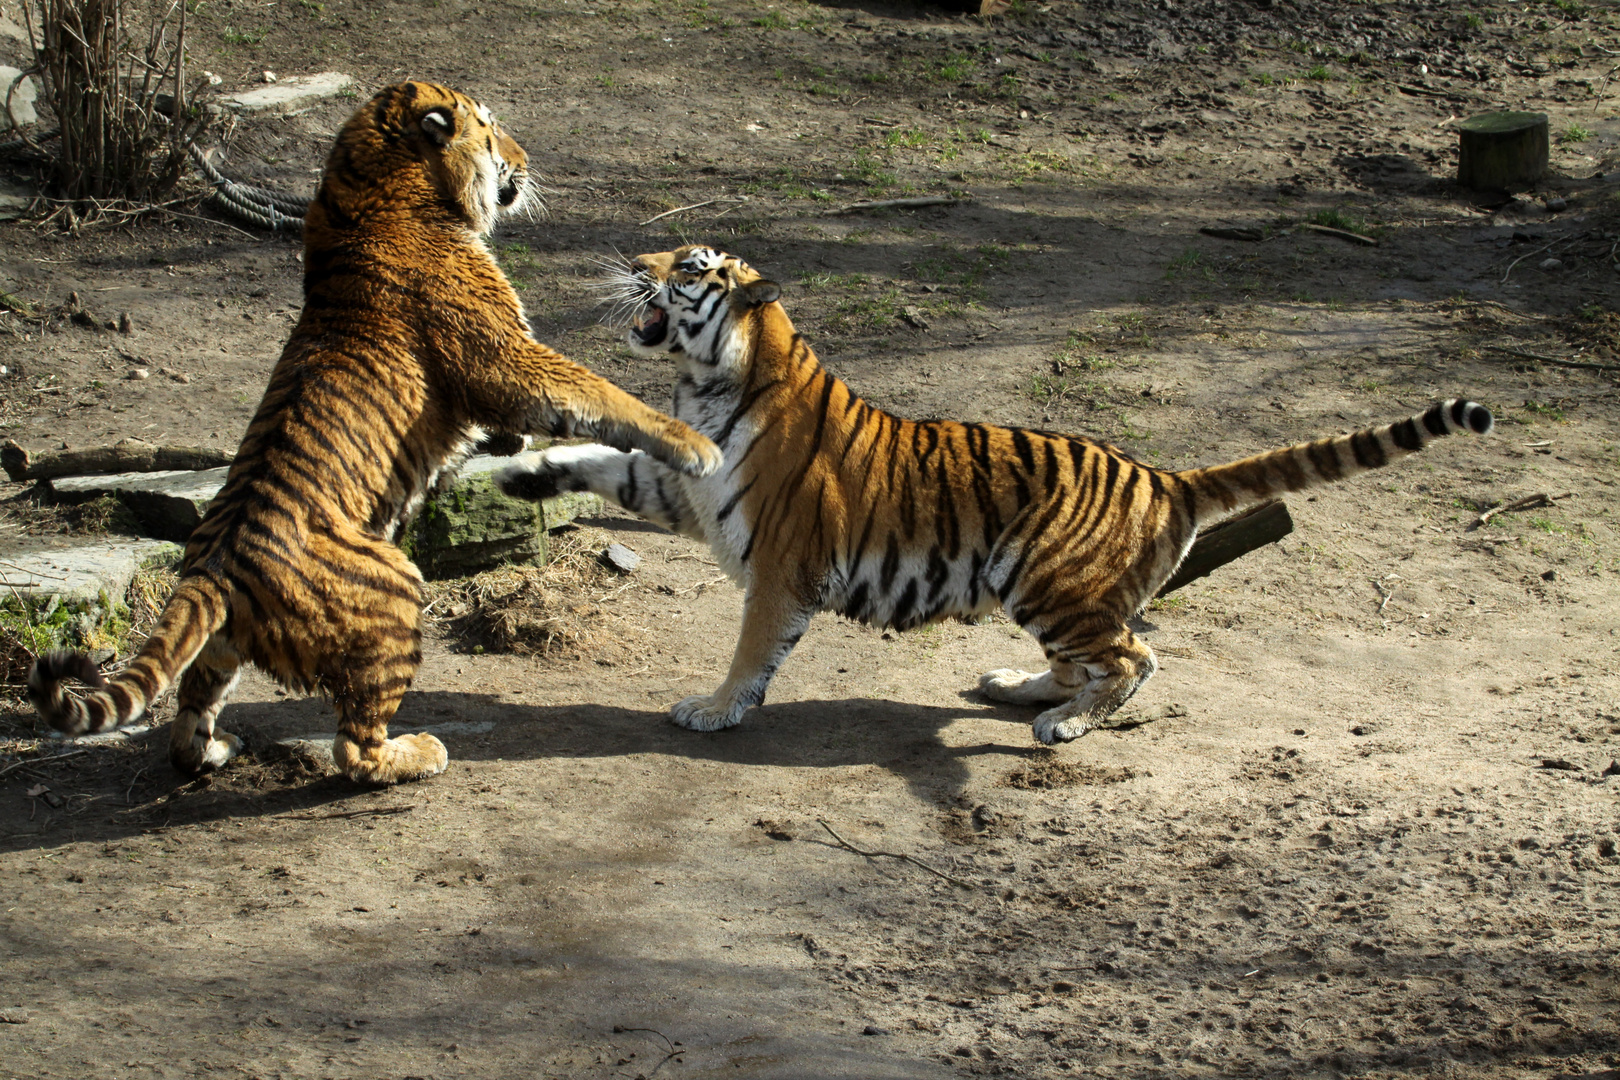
553, 610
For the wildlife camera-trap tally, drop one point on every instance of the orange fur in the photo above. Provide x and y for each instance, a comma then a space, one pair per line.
411, 343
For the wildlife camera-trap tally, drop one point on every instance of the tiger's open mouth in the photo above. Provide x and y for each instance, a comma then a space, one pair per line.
651, 328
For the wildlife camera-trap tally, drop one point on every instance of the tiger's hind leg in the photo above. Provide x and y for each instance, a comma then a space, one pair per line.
1090, 680
196, 745
372, 659
635, 480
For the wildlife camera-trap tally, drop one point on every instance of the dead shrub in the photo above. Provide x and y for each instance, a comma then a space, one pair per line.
115, 78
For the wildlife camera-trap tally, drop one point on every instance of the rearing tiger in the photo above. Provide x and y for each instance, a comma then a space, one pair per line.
410, 344
824, 503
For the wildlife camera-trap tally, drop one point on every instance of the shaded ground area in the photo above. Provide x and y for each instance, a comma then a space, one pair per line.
1359, 825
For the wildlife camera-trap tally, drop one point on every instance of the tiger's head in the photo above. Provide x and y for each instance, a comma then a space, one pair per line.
690, 302
421, 146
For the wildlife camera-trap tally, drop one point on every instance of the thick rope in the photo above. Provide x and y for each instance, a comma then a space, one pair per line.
260, 206
256, 205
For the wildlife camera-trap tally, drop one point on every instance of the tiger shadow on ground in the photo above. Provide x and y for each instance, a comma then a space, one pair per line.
126, 789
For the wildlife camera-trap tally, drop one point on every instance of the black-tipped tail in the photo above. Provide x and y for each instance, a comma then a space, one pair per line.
1222, 489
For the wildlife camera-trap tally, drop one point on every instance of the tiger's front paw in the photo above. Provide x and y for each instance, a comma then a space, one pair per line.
530, 477
692, 453
701, 713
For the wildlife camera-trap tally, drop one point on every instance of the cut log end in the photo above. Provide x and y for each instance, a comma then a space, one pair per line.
1232, 539
1499, 151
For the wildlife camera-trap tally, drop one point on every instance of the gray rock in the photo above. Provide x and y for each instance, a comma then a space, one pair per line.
22, 99
74, 597
468, 526
289, 94
167, 504
15, 200
621, 558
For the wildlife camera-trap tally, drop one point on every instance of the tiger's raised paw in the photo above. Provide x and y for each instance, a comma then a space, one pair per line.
694, 454
700, 713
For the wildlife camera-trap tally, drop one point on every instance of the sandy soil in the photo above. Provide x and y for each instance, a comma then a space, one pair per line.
1358, 826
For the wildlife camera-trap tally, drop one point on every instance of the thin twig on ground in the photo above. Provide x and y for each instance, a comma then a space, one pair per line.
678, 210
669, 1045
884, 204
1526, 255
35, 762
1529, 502
1342, 234
1553, 360
379, 811
846, 845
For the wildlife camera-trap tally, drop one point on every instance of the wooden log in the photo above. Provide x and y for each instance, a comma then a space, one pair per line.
1232, 539
130, 455
1501, 150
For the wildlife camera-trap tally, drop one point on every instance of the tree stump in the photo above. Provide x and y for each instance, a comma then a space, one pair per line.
1501, 150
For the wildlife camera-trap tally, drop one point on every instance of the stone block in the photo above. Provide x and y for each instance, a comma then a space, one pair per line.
468, 526
289, 94
168, 505
75, 596
22, 98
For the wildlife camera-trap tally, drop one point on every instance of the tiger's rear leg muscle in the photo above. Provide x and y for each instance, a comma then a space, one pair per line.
1105, 671
771, 626
367, 674
195, 745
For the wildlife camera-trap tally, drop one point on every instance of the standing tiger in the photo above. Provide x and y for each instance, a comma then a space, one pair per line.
410, 343
824, 503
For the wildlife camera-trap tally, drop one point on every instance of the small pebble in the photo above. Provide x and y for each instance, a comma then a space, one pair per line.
873, 1029
1549, 575
1552, 264
138, 373
269, 76
1555, 204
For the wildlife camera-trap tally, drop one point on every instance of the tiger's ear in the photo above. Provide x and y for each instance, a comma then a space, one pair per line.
440, 125
762, 292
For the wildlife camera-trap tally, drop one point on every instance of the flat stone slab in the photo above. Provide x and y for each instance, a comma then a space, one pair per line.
83, 571
74, 597
167, 504
289, 94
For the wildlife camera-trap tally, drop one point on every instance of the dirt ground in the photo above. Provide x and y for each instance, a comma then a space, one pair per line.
1362, 824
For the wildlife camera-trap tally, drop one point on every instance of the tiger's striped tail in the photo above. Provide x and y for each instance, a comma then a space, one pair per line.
1222, 489
196, 609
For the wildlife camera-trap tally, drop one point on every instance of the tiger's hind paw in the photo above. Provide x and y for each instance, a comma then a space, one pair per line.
202, 754
404, 757
700, 713
1022, 687
1056, 725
